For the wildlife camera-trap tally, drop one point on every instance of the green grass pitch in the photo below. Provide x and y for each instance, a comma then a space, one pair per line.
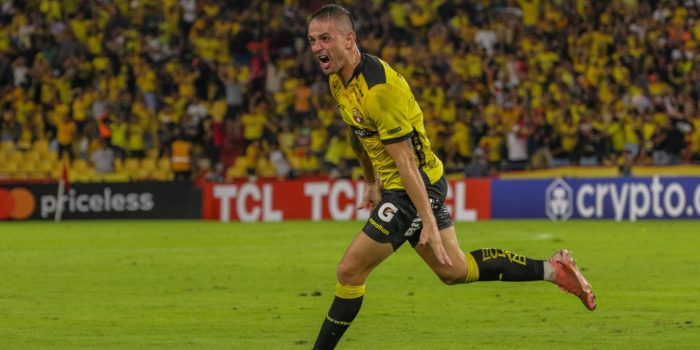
206, 285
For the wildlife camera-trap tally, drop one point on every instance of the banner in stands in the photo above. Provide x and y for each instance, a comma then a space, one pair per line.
613, 198
468, 200
136, 200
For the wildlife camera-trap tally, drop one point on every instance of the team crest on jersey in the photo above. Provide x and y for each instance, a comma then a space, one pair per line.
357, 116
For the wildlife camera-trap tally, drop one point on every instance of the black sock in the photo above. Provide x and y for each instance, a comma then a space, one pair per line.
345, 307
492, 264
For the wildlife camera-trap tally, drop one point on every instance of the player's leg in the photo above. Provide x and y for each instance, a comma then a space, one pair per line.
455, 274
361, 257
480, 265
491, 264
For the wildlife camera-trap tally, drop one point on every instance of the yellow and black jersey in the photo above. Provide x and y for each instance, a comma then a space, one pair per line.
378, 105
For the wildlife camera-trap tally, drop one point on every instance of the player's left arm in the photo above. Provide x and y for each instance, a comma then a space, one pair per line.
372, 195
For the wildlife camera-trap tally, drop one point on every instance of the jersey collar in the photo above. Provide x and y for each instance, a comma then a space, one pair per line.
358, 69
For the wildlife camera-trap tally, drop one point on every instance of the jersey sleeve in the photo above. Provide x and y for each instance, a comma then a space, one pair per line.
388, 109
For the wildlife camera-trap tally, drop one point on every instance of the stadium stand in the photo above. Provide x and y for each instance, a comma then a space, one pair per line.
531, 84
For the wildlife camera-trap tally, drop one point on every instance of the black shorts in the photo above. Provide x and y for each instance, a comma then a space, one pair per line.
395, 220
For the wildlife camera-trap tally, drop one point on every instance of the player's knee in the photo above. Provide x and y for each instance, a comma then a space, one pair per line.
451, 278
348, 274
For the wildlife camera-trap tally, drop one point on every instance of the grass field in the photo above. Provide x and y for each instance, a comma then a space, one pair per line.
205, 285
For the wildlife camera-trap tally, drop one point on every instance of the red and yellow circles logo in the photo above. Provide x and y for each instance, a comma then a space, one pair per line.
17, 203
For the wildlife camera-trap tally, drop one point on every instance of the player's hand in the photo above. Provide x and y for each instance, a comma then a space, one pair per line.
371, 197
431, 235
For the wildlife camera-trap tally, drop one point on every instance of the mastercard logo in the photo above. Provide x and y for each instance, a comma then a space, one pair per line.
17, 203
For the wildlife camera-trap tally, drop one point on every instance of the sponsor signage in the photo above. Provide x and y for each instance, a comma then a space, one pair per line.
619, 199
614, 198
467, 200
16, 203
138, 200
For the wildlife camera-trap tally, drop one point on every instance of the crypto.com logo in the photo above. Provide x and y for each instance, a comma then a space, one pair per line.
559, 200
17, 203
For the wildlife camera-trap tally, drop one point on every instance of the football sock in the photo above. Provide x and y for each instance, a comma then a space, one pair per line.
345, 307
550, 274
491, 264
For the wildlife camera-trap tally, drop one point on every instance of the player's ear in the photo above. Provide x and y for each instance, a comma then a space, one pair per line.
349, 40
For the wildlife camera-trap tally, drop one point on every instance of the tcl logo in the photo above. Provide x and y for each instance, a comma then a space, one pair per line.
17, 203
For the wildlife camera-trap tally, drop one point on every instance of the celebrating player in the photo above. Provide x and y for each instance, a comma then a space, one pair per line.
405, 184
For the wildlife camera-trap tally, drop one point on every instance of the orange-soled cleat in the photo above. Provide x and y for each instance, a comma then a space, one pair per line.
570, 279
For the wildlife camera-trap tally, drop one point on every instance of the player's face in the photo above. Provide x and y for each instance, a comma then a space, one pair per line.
329, 44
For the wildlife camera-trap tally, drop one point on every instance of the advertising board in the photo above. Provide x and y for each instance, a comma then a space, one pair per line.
468, 200
134, 200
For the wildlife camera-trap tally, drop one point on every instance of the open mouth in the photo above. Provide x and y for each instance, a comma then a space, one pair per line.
325, 61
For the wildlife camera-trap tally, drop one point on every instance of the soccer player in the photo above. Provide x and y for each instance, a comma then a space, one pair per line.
405, 184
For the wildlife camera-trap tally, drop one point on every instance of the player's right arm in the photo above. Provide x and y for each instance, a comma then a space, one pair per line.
388, 108
372, 195
404, 157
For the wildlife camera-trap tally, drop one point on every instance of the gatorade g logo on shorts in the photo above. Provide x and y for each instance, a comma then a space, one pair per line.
386, 211
17, 203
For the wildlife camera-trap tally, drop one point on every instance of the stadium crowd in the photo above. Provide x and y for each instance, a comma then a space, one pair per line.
503, 84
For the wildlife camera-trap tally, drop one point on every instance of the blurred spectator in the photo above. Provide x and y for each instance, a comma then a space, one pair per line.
181, 157
196, 109
66, 131
234, 143
589, 143
279, 160
625, 163
166, 130
234, 90
302, 103
213, 139
339, 156
274, 78
517, 139
541, 142
136, 138
252, 154
118, 130
492, 145
459, 146
478, 166
205, 172
26, 137
669, 142
102, 158
319, 139
254, 123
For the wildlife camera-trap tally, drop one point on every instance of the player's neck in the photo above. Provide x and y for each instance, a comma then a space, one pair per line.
349, 69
